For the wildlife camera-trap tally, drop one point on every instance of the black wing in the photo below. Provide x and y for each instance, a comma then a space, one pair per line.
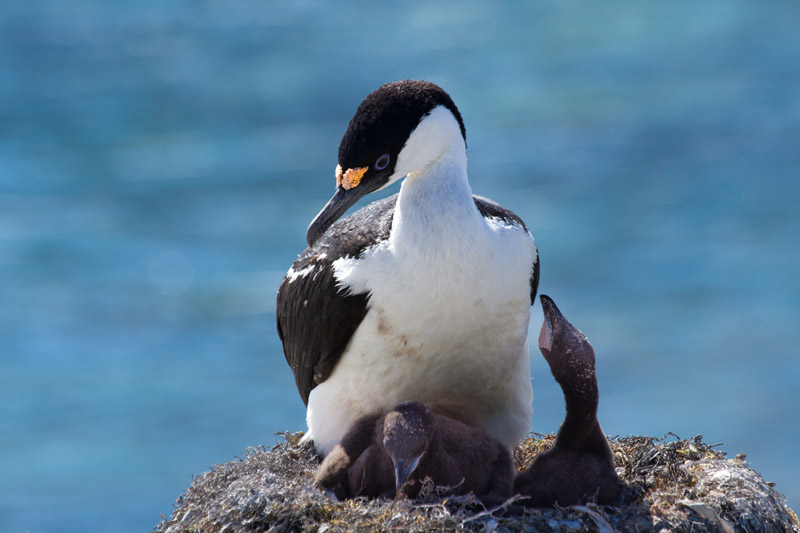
315, 319
489, 208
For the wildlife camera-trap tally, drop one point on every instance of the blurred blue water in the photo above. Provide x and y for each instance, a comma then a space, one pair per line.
159, 163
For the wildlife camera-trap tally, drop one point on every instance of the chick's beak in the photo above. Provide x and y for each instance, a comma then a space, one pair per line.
402, 471
552, 319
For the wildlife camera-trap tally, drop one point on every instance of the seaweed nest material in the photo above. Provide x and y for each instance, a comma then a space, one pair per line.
670, 485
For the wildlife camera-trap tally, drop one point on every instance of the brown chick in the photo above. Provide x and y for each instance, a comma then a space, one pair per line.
394, 453
579, 467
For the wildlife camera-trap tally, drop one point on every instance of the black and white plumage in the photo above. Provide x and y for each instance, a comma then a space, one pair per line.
422, 296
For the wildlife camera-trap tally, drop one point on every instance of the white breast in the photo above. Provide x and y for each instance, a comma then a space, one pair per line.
447, 321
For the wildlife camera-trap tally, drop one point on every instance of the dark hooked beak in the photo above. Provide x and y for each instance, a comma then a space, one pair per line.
336, 207
343, 199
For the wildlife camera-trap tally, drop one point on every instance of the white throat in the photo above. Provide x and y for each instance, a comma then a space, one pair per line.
437, 140
435, 203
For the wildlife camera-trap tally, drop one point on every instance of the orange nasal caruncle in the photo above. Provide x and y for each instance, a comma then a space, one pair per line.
351, 178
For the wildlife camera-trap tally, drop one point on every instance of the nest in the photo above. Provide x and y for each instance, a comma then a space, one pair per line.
670, 485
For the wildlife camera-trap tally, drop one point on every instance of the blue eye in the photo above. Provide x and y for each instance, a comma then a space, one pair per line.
382, 162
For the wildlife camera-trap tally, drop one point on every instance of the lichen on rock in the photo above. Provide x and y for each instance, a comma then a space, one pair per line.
671, 484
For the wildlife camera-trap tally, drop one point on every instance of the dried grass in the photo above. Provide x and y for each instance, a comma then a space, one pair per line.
671, 485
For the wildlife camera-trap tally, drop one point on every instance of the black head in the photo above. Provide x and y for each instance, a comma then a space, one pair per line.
384, 121
407, 432
373, 141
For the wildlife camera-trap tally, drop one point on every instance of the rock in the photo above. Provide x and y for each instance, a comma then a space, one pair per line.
677, 485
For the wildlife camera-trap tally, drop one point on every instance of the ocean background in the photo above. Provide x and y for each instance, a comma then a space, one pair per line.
160, 161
